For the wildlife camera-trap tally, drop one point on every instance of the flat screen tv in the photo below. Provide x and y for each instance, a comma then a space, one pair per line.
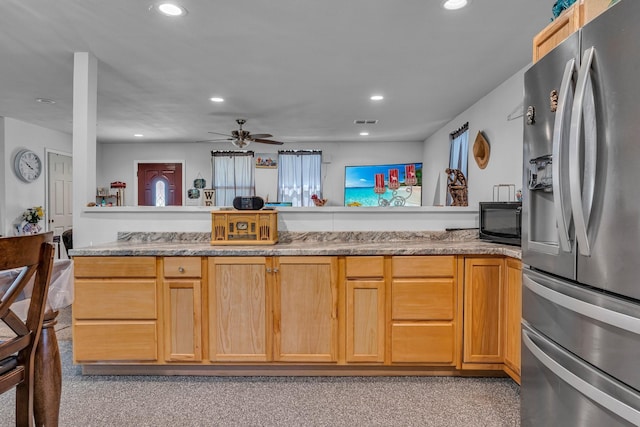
369, 185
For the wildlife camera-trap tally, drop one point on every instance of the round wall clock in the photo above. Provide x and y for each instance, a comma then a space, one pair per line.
27, 165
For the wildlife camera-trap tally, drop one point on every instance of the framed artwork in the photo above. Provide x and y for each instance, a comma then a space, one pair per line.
266, 160
397, 184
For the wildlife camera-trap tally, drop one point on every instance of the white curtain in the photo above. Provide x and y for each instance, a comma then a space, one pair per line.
299, 177
233, 175
458, 156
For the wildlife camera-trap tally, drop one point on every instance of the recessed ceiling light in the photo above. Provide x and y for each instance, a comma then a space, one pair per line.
45, 101
170, 9
138, 135
217, 99
377, 98
364, 133
455, 4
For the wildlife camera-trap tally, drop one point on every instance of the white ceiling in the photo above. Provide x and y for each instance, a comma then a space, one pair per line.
301, 70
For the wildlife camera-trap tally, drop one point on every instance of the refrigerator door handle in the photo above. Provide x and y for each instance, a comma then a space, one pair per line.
606, 316
580, 214
562, 220
610, 403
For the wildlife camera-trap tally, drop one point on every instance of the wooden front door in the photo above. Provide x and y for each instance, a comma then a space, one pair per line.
159, 184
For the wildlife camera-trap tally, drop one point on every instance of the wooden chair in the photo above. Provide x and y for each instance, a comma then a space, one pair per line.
33, 255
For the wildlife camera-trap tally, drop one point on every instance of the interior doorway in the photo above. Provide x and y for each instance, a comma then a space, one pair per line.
159, 184
59, 210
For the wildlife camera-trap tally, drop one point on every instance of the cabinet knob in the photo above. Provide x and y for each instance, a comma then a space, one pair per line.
268, 270
275, 270
181, 269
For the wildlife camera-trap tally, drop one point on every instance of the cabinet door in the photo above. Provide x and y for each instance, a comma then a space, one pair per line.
305, 309
239, 309
365, 309
365, 321
513, 317
183, 320
553, 34
483, 314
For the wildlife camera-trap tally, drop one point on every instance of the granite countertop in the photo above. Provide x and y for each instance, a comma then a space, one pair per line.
462, 242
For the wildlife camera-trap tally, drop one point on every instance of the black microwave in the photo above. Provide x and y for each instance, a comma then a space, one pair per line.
500, 222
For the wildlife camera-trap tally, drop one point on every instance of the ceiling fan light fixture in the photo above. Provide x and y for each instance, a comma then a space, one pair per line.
241, 143
170, 9
455, 4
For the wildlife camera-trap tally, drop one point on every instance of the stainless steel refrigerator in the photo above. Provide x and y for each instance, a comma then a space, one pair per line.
581, 228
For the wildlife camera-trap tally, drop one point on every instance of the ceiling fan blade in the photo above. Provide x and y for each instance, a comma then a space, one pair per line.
218, 133
261, 135
267, 141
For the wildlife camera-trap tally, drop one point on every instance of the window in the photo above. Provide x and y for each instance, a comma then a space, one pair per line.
459, 152
299, 176
233, 175
161, 195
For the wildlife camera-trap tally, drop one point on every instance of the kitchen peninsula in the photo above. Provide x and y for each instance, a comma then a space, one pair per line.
315, 303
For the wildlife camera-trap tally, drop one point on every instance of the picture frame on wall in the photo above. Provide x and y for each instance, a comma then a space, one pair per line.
266, 160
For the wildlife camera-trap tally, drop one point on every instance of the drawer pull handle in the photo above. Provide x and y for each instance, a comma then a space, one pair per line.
181, 269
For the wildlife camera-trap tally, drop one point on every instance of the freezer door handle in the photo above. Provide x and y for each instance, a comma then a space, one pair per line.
610, 403
583, 107
562, 218
606, 316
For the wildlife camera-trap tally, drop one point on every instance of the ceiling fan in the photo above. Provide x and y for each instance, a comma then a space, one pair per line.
241, 138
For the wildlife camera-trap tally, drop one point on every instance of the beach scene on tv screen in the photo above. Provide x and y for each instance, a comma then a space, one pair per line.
360, 185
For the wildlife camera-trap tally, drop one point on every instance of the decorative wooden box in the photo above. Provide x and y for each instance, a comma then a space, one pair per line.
244, 227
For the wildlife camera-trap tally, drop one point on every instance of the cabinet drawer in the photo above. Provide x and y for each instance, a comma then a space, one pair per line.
422, 299
371, 266
95, 341
115, 299
423, 342
182, 267
104, 267
423, 266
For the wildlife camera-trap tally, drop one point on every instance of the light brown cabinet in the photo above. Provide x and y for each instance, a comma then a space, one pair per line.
576, 16
182, 309
513, 317
240, 314
115, 309
305, 309
483, 312
424, 320
365, 309
380, 312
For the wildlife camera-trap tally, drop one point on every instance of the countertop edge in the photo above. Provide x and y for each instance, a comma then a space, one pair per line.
345, 249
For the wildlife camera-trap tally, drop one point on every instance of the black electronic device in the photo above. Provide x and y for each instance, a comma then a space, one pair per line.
253, 203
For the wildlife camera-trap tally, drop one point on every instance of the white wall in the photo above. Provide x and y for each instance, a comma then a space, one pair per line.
116, 162
17, 195
488, 115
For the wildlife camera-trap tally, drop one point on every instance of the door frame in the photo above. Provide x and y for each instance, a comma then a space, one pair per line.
47, 183
135, 177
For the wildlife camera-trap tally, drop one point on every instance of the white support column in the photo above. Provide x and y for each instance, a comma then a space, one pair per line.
85, 94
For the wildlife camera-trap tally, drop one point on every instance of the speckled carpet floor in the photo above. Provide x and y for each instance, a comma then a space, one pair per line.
276, 401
